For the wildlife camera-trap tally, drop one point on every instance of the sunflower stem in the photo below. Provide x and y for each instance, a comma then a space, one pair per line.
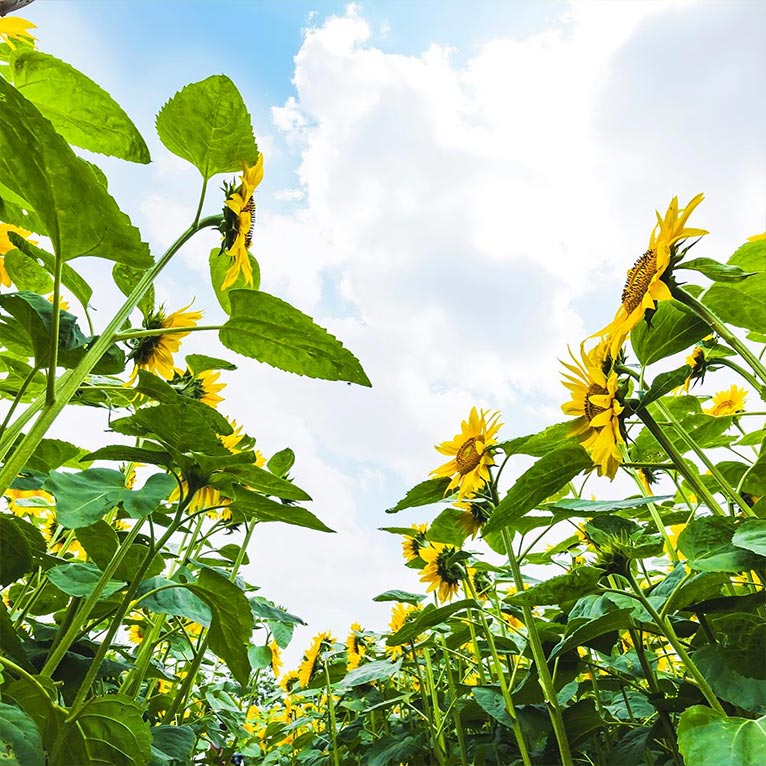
538, 655
164, 331
331, 709
455, 712
17, 399
67, 384
50, 391
723, 330
439, 745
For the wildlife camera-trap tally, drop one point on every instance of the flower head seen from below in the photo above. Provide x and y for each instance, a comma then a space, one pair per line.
645, 285
471, 456
412, 544
238, 222
593, 385
5, 241
202, 386
155, 352
276, 658
444, 571
728, 402
307, 667
475, 514
14, 29
400, 614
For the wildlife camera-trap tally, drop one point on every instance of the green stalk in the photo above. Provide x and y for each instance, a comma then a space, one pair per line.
439, 745
699, 488
727, 490
68, 384
331, 709
53, 357
17, 400
723, 330
657, 519
538, 655
453, 695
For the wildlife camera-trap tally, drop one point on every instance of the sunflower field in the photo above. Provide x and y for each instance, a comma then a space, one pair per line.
552, 627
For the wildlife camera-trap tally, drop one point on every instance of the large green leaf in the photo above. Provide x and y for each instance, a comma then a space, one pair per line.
274, 332
447, 527
707, 738
742, 304
402, 596
427, 618
490, 700
26, 273
266, 482
79, 580
547, 476
379, 670
707, 544
126, 278
207, 123
425, 493
175, 599
581, 631
674, 328
727, 682
548, 440
752, 536
219, 266
751, 256
10, 643
718, 272
15, 555
173, 744
255, 506
576, 506
567, 587
81, 111
37, 164
20, 739
232, 621
83, 498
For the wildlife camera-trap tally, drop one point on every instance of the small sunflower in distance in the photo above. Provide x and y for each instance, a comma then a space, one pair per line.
306, 669
238, 222
202, 386
471, 456
276, 658
444, 570
155, 352
728, 402
411, 545
400, 613
644, 286
593, 385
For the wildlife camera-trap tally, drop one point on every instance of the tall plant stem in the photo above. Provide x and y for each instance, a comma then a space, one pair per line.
68, 383
538, 655
453, 695
50, 388
331, 710
439, 746
17, 400
657, 519
708, 463
723, 330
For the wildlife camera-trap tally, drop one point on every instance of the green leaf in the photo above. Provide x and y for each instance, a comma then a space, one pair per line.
15, 556
446, 528
707, 544
10, 643
255, 506
177, 600
262, 608
274, 332
99, 541
232, 621
567, 587
20, 740
207, 124
125, 453
281, 462
176, 743
727, 683
706, 738
718, 272
425, 493
664, 383
219, 265
581, 631
575, 506
37, 164
751, 536
427, 618
674, 328
260, 657
490, 700
742, 304
402, 596
126, 278
83, 498
547, 476
379, 670
548, 440
266, 482
751, 256
26, 273
114, 731
81, 580
392, 749
81, 111
147, 499
754, 481
54, 453
200, 363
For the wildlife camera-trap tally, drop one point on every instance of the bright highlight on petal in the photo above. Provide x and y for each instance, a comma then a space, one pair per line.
469, 466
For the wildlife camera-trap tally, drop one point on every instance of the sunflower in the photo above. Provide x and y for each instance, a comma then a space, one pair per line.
276, 658
5, 242
644, 286
647, 478
136, 629
444, 570
306, 669
728, 402
63, 303
400, 614
15, 28
354, 649
469, 468
411, 545
695, 361
237, 226
155, 352
473, 517
593, 385
202, 386
34, 502
288, 681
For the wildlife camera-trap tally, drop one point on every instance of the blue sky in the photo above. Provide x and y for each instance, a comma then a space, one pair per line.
455, 189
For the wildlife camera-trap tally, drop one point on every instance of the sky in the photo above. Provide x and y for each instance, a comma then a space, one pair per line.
454, 189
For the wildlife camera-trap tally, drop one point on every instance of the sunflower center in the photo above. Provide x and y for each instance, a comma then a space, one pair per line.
591, 410
467, 457
638, 281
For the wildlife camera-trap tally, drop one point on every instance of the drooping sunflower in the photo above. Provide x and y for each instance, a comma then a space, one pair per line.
471, 453
593, 384
14, 29
354, 648
5, 241
645, 285
203, 386
288, 681
276, 658
155, 352
400, 614
238, 222
444, 570
411, 545
728, 402
306, 669
696, 361
475, 514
